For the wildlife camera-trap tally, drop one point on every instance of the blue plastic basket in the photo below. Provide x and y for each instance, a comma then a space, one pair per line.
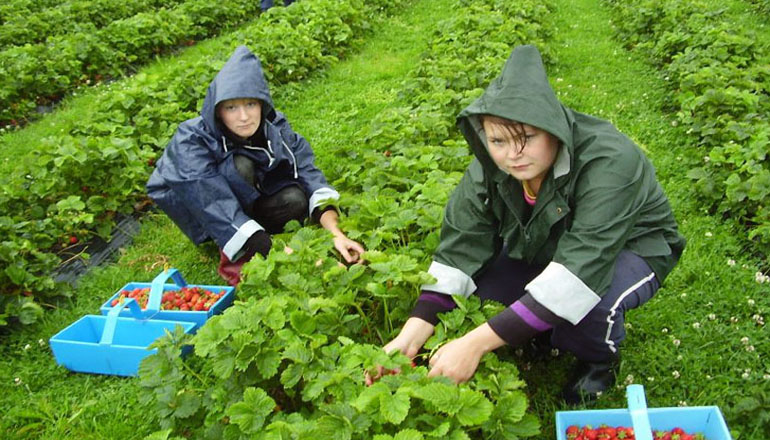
707, 420
110, 344
158, 287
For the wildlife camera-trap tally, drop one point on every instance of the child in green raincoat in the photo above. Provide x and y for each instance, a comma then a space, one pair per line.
560, 218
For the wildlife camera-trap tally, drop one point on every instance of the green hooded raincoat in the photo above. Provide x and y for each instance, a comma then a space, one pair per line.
599, 197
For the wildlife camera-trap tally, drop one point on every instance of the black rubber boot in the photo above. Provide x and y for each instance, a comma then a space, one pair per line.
589, 379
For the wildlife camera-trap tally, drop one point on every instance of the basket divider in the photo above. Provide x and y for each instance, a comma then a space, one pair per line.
637, 407
108, 334
156, 291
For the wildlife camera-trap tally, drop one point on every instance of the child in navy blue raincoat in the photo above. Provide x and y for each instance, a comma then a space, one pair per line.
238, 172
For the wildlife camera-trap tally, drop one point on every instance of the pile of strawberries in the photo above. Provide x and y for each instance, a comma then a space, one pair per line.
605, 432
185, 299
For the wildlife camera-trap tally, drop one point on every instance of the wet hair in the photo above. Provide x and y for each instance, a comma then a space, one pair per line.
514, 128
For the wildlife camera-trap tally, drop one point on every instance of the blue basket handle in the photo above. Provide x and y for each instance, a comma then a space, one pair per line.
637, 406
156, 291
112, 319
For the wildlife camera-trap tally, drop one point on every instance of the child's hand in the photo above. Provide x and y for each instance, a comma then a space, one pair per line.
459, 358
409, 341
350, 250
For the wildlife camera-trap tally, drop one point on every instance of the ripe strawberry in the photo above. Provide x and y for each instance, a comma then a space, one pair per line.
609, 431
73, 239
624, 433
590, 433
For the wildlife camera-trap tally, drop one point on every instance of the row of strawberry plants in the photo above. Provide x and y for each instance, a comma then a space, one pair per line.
12, 8
40, 74
719, 73
71, 17
288, 359
79, 180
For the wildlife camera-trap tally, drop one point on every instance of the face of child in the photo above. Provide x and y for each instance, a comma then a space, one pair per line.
527, 157
242, 116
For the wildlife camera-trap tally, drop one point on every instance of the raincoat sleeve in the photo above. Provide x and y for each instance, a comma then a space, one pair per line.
610, 193
194, 178
310, 177
469, 236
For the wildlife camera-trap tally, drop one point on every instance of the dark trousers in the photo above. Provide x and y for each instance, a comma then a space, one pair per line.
273, 211
597, 336
267, 4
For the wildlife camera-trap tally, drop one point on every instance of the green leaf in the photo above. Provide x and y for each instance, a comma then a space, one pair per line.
511, 407
16, 274
70, 203
409, 434
159, 435
370, 394
30, 312
332, 428
250, 414
274, 317
224, 364
268, 362
461, 435
302, 322
475, 408
298, 352
394, 408
528, 426
443, 396
187, 404
441, 430
291, 375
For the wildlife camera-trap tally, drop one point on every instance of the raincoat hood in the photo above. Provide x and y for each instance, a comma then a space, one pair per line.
241, 77
521, 93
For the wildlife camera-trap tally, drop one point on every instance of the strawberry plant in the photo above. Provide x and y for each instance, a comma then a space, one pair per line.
287, 364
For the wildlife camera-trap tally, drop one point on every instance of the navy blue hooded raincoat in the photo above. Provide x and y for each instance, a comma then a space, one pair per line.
196, 182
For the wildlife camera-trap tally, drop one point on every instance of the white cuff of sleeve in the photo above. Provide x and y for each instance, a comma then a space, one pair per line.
450, 280
319, 196
564, 294
233, 247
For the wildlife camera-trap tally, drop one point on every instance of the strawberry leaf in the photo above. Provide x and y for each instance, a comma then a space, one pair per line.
250, 414
475, 408
394, 408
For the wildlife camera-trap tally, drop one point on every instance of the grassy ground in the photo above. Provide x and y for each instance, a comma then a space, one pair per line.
686, 346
